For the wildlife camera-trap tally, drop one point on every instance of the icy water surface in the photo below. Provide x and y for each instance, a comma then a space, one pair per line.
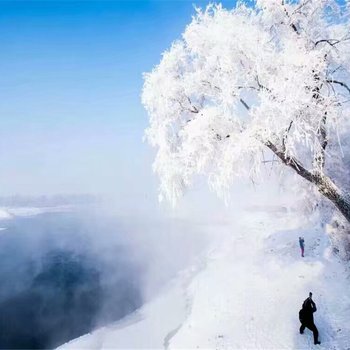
62, 275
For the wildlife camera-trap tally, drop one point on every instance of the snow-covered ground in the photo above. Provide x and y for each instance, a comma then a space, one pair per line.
9, 212
243, 292
4, 214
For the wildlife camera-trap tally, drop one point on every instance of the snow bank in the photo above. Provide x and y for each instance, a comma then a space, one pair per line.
32, 211
245, 293
250, 294
10, 213
4, 214
149, 328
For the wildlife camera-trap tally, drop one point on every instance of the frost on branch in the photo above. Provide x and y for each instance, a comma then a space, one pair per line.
239, 82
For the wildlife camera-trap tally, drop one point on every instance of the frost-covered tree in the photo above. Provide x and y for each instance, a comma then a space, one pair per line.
273, 78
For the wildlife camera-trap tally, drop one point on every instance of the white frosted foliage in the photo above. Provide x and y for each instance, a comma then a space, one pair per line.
275, 73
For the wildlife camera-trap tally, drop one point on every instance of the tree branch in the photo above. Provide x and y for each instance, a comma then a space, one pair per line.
292, 25
322, 137
286, 135
323, 183
331, 42
345, 86
300, 7
192, 109
291, 162
244, 104
209, 83
261, 86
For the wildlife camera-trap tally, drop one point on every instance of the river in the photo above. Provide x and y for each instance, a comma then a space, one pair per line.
64, 274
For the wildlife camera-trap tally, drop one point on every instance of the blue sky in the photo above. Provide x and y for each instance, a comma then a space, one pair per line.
71, 120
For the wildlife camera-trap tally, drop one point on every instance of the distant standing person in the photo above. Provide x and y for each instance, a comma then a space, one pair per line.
302, 245
306, 317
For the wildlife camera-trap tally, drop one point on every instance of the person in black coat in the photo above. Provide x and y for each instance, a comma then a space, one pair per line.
306, 317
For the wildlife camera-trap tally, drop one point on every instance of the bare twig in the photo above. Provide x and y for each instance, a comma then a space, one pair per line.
286, 135
331, 42
261, 86
332, 81
244, 104
300, 7
292, 25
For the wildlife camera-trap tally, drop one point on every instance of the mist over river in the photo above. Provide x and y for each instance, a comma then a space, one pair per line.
64, 274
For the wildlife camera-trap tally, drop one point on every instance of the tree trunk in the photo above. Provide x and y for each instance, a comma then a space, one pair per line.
323, 183
327, 188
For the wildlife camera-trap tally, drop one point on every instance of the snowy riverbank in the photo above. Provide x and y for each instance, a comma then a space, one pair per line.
244, 293
7, 213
